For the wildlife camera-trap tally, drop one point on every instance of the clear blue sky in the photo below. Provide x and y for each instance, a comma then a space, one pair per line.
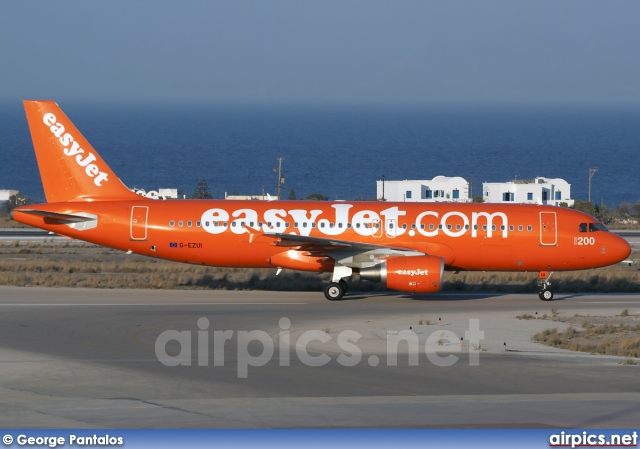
369, 51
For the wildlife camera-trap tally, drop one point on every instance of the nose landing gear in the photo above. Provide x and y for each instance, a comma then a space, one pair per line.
545, 286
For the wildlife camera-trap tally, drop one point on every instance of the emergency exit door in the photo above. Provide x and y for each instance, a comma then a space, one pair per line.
548, 229
139, 222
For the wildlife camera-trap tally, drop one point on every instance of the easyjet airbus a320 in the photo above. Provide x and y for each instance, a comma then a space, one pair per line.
407, 246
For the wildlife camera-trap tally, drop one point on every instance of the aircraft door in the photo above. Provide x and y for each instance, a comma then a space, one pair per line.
139, 216
548, 229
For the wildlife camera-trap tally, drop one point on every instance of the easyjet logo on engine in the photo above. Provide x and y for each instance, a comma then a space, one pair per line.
391, 222
73, 149
413, 272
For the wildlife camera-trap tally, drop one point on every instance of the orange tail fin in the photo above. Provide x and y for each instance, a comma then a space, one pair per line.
71, 170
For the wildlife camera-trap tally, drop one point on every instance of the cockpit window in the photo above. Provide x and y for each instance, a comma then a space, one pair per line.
583, 227
595, 227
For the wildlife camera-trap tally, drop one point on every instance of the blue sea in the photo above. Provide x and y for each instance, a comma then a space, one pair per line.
340, 151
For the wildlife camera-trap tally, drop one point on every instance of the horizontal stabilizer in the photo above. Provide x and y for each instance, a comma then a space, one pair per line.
57, 216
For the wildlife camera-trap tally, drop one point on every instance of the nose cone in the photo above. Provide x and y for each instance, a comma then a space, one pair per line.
619, 249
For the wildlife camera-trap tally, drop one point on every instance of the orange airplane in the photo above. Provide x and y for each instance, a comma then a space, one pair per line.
407, 246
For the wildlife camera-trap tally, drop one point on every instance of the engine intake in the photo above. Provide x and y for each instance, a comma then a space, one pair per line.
420, 274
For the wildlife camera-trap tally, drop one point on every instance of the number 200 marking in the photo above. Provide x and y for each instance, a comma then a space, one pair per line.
583, 241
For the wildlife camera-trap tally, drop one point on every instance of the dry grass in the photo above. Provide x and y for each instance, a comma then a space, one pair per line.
602, 280
613, 336
6, 222
73, 264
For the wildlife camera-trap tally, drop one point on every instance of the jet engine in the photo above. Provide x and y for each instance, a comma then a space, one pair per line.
420, 274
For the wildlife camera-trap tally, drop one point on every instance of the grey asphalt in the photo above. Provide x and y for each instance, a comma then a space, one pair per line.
87, 358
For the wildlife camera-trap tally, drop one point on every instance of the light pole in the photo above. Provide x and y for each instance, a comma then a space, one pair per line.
592, 171
383, 198
280, 176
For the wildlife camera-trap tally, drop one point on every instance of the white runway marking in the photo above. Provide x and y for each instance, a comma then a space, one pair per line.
611, 302
162, 304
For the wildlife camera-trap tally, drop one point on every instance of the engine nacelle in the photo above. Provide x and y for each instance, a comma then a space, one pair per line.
420, 274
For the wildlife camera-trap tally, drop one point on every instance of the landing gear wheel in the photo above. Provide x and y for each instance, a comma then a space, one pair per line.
345, 286
546, 295
334, 291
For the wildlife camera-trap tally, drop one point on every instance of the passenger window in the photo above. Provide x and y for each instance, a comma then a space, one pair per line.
404, 226
529, 228
357, 225
313, 225
180, 223
304, 225
286, 225
339, 225
197, 224
413, 226
519, 227
189, 223
172, 223
349, 225
457, 227
295, 225
510, 227
484, 227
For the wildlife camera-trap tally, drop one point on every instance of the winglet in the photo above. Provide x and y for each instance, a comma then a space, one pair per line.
71, 170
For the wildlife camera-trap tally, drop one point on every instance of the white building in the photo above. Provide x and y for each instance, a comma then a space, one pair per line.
551, 191
6, 194
160, 194
438, 189
263, 197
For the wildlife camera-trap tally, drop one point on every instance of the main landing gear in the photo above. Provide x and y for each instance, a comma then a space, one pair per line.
545, 286
338, 286
336, 290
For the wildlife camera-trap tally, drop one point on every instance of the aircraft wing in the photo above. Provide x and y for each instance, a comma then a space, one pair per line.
327, 244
